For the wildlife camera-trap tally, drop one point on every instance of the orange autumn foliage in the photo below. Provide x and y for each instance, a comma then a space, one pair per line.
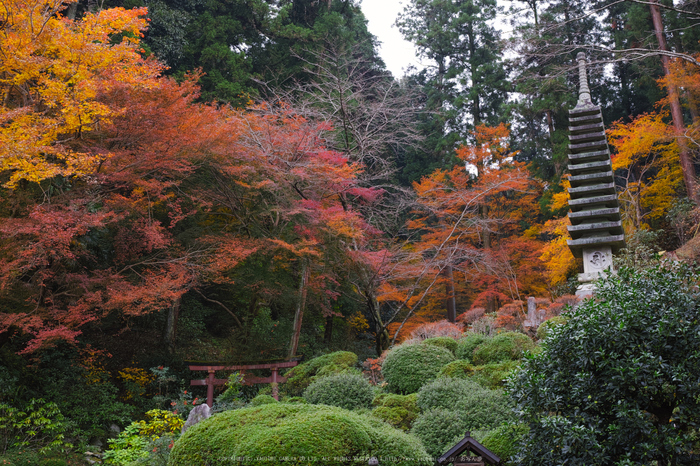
470, 219
51, 72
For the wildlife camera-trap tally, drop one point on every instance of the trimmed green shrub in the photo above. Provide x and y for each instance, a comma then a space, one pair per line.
505, 440
480, 407
445, 392
467, 345
548, 324
299, 377
407, 368
488, 376
439, 430
509, 346
398, 410
304, 434
494, 375
349, 391
459, 369
445, 342
262, 400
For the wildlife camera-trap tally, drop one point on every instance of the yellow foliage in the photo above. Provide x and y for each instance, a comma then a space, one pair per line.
358, 322
556, 254
51, 73
561, 199
647, 152
160, 422
136, 379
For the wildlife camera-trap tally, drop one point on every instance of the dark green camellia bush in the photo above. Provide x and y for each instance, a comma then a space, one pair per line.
407, 368
349, 391
284, 433
618, 383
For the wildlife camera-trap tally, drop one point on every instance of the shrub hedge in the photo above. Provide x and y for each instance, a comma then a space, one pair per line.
349, 391
480, 407
301, 376
262, 400
407, 368
494, 375
444, 342
505, 441
312, 434
508, 346
439, 429
398, 410
459, 369
467, 345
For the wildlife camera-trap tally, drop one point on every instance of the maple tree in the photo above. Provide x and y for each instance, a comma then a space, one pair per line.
104, 197
462, 210
646, 154
51, 71
294, 197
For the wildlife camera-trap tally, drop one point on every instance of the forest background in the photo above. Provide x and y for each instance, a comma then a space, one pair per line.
240, 181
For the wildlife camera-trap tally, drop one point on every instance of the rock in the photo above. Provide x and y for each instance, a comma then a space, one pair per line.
199, 413
114, 431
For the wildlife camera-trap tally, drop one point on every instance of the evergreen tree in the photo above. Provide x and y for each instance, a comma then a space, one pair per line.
467, 83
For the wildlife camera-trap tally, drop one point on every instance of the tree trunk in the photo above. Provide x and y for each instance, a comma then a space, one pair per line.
381, 338
328, 331
491, 304
451, 302
170, 335
299, 314
676, 113
72, 10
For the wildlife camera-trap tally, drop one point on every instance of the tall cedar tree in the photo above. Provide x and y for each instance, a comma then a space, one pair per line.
466, 82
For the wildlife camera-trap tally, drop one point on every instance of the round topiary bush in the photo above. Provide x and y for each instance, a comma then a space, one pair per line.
509, 346
439, 430
262, 400
489, 375
494, 375
300, 433
459, 369
467, 345
398, 410
301, 376
407, 368
349, 391
479, 407
445, 342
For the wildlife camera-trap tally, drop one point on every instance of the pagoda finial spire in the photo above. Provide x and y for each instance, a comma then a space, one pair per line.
584, 93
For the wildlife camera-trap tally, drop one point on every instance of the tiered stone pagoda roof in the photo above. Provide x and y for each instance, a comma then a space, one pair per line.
595, 212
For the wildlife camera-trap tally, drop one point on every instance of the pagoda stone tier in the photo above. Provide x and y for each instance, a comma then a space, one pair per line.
596, 228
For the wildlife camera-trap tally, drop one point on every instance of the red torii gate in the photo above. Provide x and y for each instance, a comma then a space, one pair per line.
210, 381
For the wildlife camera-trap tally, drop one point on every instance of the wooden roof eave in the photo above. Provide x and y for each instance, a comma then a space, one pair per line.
468, 443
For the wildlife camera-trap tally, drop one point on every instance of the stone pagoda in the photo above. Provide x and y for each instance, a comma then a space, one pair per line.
596, 227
